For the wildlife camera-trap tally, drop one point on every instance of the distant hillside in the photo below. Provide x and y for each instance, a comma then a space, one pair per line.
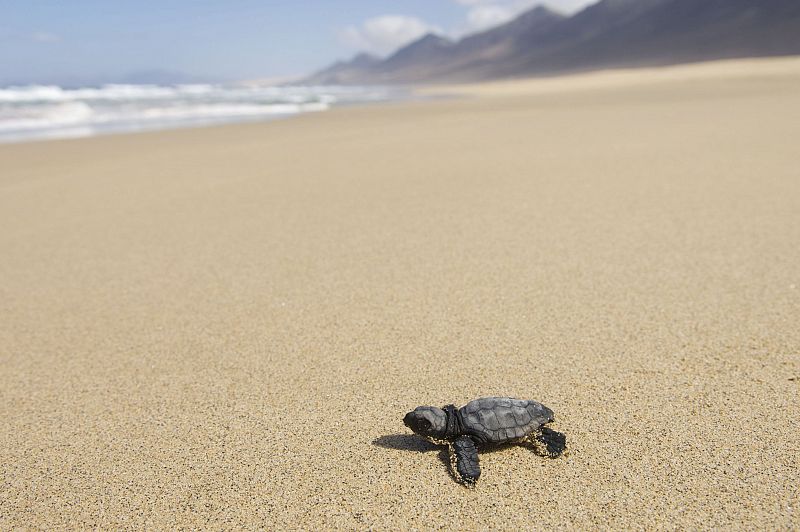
345, 72
610, 33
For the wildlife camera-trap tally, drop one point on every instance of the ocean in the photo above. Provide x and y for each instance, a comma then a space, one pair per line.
37, 112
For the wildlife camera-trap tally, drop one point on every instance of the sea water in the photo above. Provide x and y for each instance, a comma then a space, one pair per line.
41, 112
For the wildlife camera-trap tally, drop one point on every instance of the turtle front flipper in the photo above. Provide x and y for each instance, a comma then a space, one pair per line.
548, 443
464, 461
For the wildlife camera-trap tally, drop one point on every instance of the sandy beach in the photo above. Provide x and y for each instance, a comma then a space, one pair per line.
223, 327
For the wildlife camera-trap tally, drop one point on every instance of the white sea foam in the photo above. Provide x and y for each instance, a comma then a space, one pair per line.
47, 111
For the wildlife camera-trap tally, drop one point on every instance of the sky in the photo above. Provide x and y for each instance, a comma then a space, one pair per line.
74, 42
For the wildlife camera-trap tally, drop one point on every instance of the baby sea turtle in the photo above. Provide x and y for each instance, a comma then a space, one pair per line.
482, 423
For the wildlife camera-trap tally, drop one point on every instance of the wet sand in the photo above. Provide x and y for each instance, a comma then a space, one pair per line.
224, 327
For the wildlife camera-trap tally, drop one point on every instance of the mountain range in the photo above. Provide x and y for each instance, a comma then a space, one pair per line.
608, 34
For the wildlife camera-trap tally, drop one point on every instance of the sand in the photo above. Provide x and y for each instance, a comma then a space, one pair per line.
224, 327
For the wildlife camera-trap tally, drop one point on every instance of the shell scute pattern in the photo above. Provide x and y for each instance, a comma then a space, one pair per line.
499, 420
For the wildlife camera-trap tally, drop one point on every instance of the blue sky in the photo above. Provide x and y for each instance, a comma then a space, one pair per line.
92, 41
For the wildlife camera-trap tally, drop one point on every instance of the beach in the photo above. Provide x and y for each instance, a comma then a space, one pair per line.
223, 327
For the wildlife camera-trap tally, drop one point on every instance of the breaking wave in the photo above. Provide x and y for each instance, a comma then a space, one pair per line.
48, 111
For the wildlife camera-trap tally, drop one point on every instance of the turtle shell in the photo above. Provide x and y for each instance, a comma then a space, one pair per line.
496, 420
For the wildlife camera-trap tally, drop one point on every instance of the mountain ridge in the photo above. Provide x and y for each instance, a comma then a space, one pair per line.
607, 34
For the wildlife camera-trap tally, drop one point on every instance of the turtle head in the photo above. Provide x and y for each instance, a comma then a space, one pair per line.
427, 421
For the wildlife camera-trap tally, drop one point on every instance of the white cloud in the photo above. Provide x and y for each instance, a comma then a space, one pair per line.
483, 17
484, 14
568, 6
382, 35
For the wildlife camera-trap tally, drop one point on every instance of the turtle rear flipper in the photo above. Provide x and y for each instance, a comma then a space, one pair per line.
464, 461
548, 443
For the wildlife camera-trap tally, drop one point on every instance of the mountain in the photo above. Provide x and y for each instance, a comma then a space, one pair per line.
661, 32
690, 30
474, 53
432, 56
572, 36
418, 61
345, 72
610, 33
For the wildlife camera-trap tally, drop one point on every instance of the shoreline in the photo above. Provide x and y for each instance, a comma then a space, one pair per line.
50, 112
594, 80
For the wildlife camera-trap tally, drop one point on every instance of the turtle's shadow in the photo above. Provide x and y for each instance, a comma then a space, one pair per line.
405, 442
412, 443
415, 444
